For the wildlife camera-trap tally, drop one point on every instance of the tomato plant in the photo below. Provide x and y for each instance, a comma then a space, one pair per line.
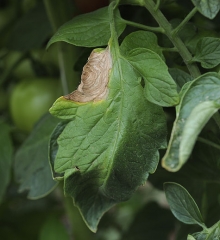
133, 152
30, 99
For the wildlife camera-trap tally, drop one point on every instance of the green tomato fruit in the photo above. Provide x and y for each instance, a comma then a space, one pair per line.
32, 98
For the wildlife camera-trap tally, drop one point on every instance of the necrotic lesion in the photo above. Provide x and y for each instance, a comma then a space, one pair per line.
94, 78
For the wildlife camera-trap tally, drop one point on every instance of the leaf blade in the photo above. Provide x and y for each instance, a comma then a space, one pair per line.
208, 8
110, 142
88, 30
182, 204
31, 165
200, 94
160, 88
208, 52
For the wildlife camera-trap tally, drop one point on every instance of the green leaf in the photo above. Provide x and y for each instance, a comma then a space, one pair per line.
200, 100
6, 151
141, 39
211, 233
182, 204
208, 8
200, 235
88, 30
31, 31
160, 88
180, 77
110, 146
190, 237
53, 148
31, 167
208, 52
214, 232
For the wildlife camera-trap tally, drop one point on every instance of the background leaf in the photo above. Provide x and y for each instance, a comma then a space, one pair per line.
159, 88
180, 77
6, 151
88, 30
208, 8
53, 229
208, 52
182, 204
199, 102
111, 146
31, 167
31, 31
147, 221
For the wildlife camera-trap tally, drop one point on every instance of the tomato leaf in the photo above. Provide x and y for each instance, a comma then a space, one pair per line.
6, 151
208, 8
141, 39
53, 228
31, 167
180, 77
211, 233
190, 237
110, 146
160, 88
208, 52
200, 100
88, 30
182, 204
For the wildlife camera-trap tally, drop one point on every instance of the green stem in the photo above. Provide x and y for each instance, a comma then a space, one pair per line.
114, 37
157, 5
174, 49
175, 39
185, 21
58, 13
144, 27
210, 143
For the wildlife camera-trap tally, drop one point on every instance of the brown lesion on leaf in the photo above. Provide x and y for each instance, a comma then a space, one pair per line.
94, 78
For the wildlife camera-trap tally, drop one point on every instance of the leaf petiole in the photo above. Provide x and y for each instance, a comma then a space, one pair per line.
185, 21
157, 5
210, 143
144, 27
174, 49
177, 42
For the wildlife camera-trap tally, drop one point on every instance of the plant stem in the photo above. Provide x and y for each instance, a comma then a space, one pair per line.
210, 143
58, 13
185, 20
157, 5
114, 37
175, 39
174, 49
144, 27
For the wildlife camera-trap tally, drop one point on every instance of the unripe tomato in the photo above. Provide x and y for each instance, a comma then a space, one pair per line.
30, 99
